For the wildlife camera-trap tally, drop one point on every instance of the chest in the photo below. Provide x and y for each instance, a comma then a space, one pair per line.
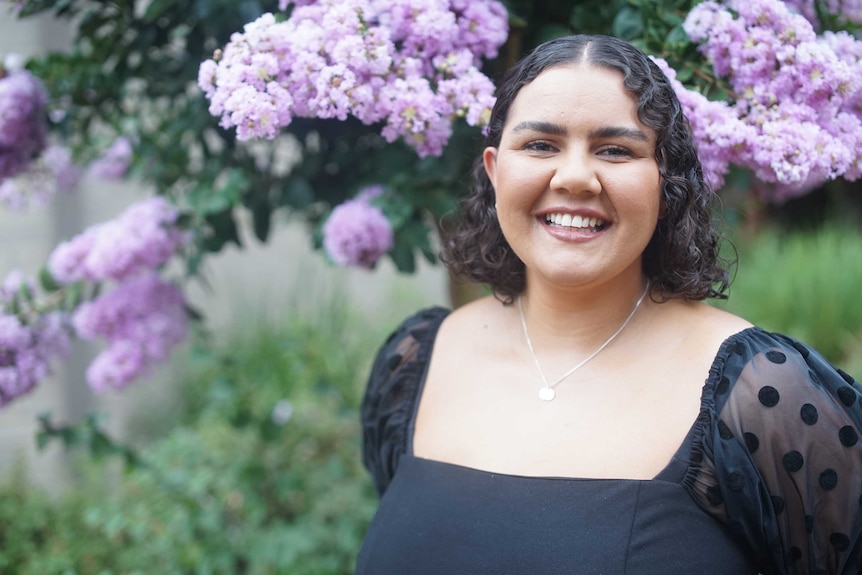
617, 418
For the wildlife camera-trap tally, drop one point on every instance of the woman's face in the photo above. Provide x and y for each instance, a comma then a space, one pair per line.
577, 185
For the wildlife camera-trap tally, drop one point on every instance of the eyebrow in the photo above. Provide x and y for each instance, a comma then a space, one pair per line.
618, 132
560, 130
544, 127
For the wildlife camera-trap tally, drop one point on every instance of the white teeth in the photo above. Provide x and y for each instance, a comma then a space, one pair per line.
576, 221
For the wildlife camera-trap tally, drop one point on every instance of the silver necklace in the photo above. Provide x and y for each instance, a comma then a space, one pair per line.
547, 393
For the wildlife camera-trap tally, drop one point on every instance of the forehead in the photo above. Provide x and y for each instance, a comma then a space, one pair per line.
576, 93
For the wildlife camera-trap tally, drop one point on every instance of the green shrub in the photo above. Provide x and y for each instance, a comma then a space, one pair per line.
261, 473
804, 284
39, 536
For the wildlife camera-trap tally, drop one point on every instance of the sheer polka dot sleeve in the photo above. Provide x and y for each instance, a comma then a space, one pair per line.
780, 458
392, 390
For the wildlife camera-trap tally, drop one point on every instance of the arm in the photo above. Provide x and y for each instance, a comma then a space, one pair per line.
392, 392
782, 458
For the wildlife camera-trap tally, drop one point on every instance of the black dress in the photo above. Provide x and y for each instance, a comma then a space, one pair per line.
768, 480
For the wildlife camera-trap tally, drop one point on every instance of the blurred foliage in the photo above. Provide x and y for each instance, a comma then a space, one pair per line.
133, 69
804, 283
260, 474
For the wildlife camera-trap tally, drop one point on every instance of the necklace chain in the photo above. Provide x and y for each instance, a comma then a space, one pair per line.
547, 392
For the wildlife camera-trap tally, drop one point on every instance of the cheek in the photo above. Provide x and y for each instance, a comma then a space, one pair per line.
651, 198
520, 184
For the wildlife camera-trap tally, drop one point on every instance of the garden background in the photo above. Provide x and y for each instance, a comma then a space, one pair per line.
240, 454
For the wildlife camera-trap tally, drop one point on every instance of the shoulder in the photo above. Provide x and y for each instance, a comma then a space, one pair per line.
781, 457
485, 316
416, 333
772, 371
392, 388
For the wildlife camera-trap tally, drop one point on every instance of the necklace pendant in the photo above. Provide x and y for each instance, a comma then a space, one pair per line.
547, 394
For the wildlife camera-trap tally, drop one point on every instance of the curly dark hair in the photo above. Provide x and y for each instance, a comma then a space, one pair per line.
681, 260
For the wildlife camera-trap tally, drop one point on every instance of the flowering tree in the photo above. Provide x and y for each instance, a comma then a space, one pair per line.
363, 116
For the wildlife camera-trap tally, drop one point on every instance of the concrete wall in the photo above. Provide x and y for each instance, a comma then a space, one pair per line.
282, 277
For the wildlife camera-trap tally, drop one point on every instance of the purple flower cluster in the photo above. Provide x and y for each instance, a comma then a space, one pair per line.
850, 10
143, 319
23, 128
411, 65
795, 115
28, 344
114, 162
716, 127
356, 232
142, 238
53, 173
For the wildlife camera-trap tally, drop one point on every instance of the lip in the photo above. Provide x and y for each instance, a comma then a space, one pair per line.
583, 212
572, 235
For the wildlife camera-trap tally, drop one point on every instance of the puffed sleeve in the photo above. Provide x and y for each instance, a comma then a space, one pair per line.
392, 392
780, 459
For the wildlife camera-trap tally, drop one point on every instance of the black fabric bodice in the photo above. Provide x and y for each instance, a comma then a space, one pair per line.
441, 518
769, 479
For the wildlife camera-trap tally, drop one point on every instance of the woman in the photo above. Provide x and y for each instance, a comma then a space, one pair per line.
563, 425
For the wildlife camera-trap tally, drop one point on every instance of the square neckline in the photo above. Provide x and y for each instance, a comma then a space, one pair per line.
674, 470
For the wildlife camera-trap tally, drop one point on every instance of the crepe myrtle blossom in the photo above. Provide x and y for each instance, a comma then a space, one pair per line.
114, 162
716, 128
356, 232
794, 116
23, 125
142, 319
142, 238
409, 65
53, 173
849, 10
29, 342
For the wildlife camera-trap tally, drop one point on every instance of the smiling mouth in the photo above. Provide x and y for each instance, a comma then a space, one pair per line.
576, 222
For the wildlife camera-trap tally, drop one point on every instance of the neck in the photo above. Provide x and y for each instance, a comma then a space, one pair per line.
582, 318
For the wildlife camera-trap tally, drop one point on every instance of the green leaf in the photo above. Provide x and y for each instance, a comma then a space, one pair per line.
47, 281
223, 229
26, 293
684, 74
552, 31
671, 18
516, 21
194, 313
395, 208
42, 440
156, 8
297, 193
402, 256
62, 6
74, 295
261, 219
676, 37
628, 24
15, 306
205, 199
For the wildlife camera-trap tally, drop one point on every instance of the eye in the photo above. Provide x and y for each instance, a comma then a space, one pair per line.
539, 146
615, 152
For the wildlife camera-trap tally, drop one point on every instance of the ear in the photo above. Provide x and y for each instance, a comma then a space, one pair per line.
489, 158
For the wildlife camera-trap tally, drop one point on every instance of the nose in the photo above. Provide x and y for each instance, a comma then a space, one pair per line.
575, 174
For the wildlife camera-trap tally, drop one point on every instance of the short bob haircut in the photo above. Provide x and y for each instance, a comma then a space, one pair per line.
681, 260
